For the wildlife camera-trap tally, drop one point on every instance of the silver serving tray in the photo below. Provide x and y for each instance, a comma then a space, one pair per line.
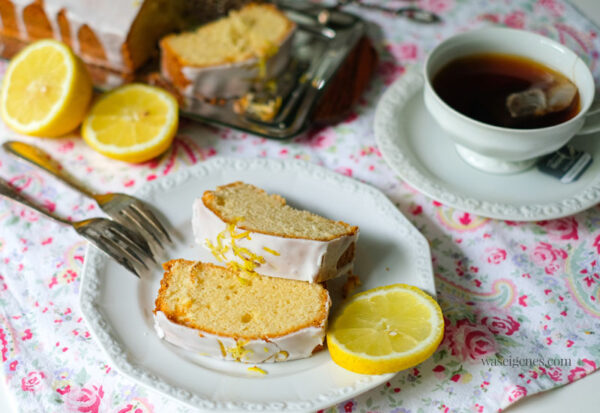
323, 39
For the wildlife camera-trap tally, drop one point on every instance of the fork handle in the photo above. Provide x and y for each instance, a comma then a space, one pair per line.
37, 157
8, 191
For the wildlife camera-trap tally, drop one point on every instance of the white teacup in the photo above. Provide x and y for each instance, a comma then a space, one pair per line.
506, 150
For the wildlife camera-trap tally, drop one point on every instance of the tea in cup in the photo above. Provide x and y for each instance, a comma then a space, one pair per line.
508, 96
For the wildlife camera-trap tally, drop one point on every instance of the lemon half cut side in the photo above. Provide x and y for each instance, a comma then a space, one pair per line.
133, 123
46, 90
385, 330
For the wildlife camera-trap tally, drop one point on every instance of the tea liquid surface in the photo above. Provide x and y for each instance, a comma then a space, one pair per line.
478, 86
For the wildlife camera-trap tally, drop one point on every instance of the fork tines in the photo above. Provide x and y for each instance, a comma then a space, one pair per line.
127, 247
145, 220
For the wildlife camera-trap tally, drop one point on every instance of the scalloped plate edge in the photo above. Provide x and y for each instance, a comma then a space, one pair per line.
100, 327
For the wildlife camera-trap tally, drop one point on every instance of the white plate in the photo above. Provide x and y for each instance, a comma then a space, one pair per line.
415, 146
118, 307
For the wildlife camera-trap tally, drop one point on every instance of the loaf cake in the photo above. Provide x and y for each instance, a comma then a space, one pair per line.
253, 231
222, 59
118, 35
212, 311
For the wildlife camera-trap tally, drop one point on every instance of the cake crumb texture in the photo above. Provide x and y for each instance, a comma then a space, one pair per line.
254, 31
252, 209
212, 299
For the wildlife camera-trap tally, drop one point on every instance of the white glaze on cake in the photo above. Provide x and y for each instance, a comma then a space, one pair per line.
235, 79
110, 21
296, 345
298, 259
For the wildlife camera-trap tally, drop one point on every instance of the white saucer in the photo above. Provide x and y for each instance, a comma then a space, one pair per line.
420, 152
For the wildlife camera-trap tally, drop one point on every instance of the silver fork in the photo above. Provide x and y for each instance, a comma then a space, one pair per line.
125, 246
125, 209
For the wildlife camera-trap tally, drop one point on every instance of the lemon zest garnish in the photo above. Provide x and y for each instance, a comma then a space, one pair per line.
238, 351
219, 250
240, 268
246, 255
262, 68
226, 241
271, 251
220, 240
282, 355
266, 349
223, 352
217, 253
235, 266
257, 370
241, 235
268, 50
271, 86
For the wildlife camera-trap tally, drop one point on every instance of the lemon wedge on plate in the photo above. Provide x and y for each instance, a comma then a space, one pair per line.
46, 90
133, 123
386, 329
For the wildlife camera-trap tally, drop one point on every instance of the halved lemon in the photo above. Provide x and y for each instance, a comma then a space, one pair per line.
133, 123
386, 329
46, 90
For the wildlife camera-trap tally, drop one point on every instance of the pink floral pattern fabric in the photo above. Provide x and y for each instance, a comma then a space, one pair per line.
510, 291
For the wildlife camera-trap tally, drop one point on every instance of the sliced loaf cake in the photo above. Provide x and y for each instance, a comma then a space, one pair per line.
253, 231
216, 311
224, 58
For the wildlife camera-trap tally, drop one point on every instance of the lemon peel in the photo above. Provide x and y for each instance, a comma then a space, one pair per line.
385, 330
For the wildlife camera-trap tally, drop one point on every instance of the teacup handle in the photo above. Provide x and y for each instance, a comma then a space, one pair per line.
592, 119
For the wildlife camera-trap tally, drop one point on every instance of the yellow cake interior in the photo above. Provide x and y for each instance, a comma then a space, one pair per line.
256, 30
253, 209
217, 300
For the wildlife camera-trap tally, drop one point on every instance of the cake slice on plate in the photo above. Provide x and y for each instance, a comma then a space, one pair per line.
253, 231
222, 59
216, 311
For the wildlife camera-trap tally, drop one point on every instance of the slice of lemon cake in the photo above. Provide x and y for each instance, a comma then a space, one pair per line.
117, 35
213, 311
223, 58
251, 230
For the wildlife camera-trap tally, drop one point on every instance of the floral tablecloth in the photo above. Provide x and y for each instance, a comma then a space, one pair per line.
521, 300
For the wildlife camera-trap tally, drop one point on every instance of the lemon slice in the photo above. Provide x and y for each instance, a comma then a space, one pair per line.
133, 123
46, 90
385, 330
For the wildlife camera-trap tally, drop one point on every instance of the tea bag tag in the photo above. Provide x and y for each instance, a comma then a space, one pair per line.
566, 164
